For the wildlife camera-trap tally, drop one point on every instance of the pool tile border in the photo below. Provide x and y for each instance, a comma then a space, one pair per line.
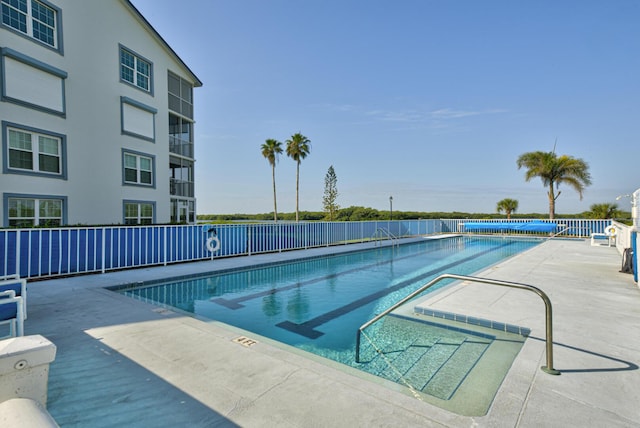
445, 326
494, 325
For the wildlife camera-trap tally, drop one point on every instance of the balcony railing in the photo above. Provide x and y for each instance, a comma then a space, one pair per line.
181, 188
180, 147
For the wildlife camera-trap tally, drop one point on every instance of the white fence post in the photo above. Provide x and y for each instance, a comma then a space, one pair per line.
104, 246
18, 249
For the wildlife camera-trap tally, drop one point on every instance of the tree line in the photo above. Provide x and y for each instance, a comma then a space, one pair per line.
552, 169
358, 213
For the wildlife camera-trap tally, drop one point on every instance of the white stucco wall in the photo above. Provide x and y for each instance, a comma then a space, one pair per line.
92, 33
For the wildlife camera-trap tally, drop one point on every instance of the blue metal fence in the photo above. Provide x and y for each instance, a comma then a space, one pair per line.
37, 253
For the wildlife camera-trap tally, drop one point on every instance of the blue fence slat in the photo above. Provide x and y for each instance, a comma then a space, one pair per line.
107, 255
8, 242
233, 241
23, 253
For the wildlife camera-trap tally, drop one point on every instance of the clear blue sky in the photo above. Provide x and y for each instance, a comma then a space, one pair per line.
428, 101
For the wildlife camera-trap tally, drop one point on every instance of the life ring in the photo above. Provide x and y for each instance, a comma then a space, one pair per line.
210, 246
610, 231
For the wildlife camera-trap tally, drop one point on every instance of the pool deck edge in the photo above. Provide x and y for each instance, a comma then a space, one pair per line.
130, 361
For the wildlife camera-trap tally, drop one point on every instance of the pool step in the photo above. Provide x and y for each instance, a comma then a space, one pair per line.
403, 362
430, 359
432, 362
446, 381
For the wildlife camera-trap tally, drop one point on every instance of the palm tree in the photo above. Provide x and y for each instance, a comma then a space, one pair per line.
554, 170
298, 147
603, 211
270, 150
508, 206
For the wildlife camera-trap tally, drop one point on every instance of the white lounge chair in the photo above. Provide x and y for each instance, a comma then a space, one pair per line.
11, 312
19, 286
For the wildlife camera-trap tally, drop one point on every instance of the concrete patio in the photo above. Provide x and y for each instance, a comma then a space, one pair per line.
122, 362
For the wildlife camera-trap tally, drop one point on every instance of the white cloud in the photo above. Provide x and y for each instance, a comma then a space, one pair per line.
449, 113
432, 118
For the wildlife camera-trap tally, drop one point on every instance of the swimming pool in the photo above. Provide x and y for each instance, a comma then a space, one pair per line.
318, 304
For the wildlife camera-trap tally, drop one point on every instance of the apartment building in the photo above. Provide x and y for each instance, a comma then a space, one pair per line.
96, 114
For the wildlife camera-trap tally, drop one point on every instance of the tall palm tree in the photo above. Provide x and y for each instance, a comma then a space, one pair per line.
270, 150
554, 170
508, 206
298, 147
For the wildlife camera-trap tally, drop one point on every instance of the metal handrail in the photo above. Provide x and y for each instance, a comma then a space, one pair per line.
558, 233
547, 303
395, 240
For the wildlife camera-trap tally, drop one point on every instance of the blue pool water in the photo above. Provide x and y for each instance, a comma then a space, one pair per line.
318, 304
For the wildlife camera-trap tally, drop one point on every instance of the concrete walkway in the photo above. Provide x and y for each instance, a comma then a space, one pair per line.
122, 362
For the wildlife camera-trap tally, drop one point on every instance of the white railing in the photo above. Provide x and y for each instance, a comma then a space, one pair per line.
33, 253
623, 236
38, 253
574, 228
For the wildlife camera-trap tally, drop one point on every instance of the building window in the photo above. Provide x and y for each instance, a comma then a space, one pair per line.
135, 70
33, 18
138, 213
138, 169
29, 212
180, 96
35, 152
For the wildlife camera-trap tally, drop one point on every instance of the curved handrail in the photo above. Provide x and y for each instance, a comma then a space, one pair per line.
558, 233
394, 239
547, 303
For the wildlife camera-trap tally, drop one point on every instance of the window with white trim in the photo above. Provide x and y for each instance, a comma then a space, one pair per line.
135, 70
32, 18
138, 169
28, 212
32, 151
138, 213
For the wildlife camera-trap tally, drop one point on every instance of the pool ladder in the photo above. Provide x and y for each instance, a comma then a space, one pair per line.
382, 232
547, 304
